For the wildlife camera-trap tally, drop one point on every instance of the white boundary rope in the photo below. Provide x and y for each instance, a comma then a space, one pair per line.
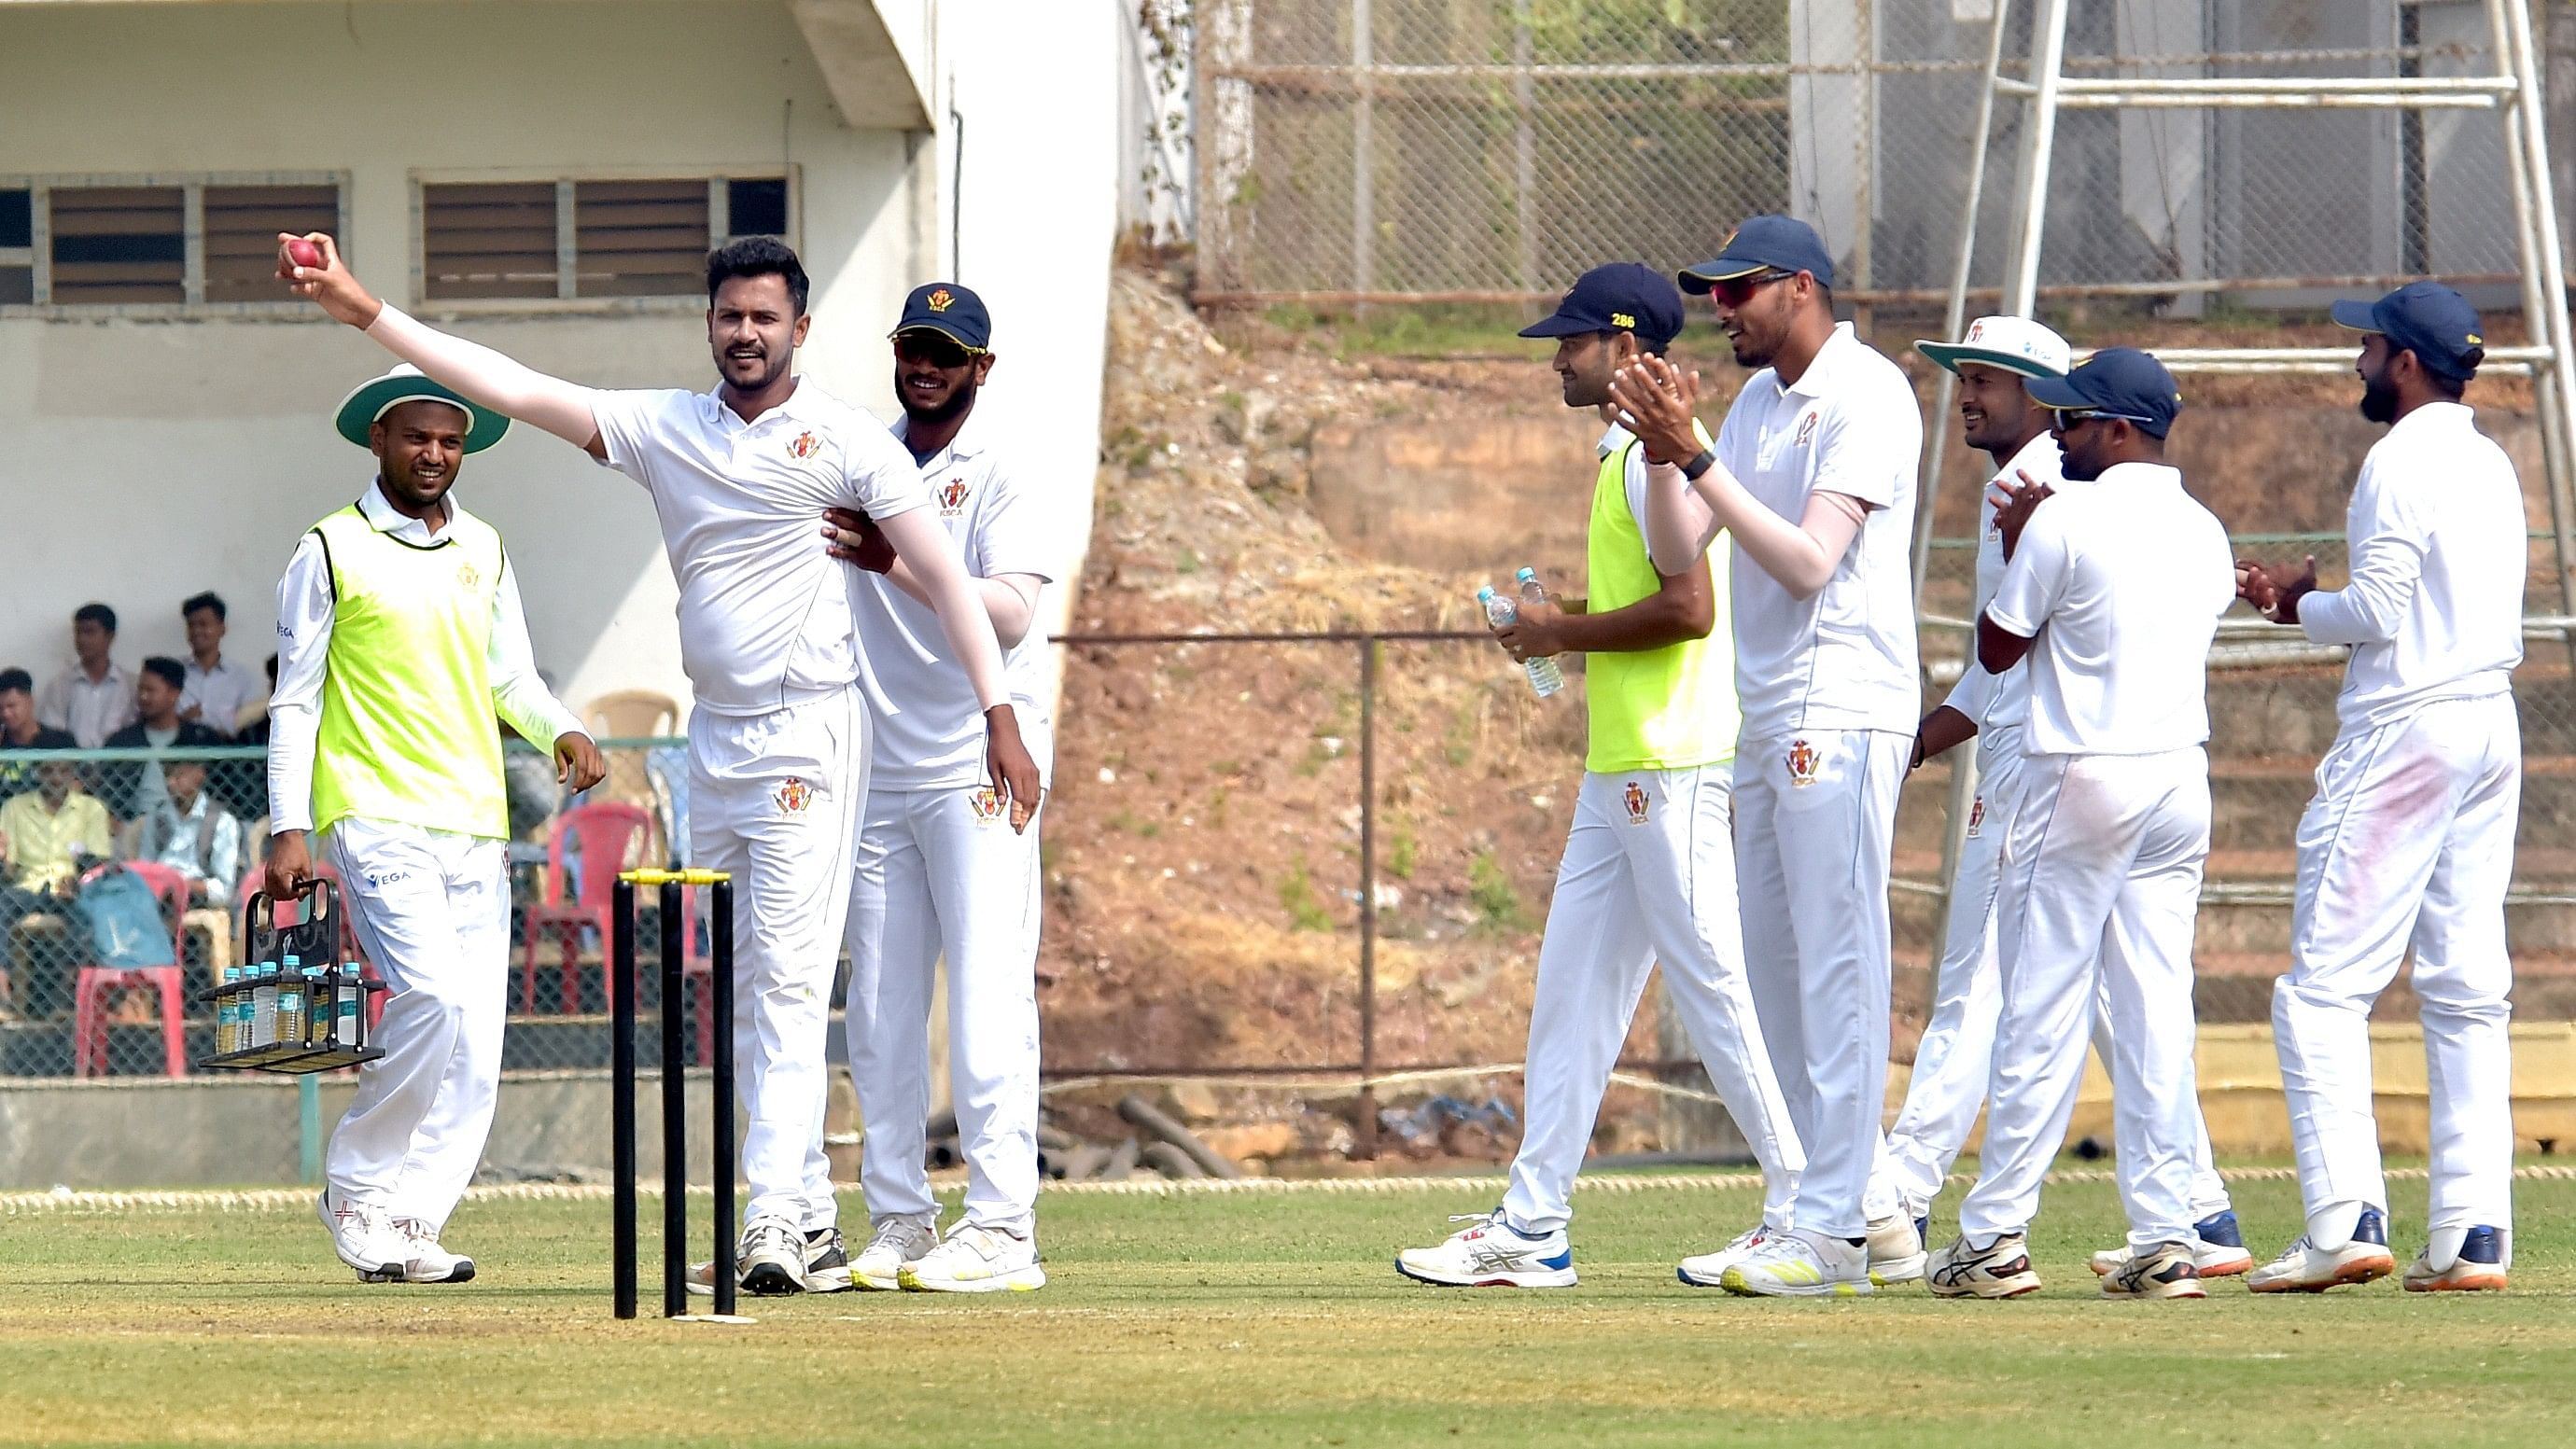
283, 1199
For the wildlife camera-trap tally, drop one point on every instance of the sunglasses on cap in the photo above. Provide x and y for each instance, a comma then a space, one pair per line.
2068, 417
1736, 291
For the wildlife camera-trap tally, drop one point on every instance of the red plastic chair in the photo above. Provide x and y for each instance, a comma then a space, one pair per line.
608, 832
94, 984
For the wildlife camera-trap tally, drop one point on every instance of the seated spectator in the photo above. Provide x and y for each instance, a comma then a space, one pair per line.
93, 699
133, 789
218, 690
193, 834
48, 836
20, 731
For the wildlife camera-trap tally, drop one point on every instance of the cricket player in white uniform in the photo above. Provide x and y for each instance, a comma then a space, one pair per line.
2408, 844
1954, 1060
939, 873
2112, 594
778, 741
1649, 871
400, 639
1813, 478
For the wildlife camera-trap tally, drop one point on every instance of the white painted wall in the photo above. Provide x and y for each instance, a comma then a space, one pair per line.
146, 460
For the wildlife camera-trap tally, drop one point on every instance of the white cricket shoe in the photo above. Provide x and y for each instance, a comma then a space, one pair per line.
2166, 1271
363, 1235
772, 1258
2001, 1269
424, 1261
2304, 1267
1492, 1254
2217, 1249
2480, 1267
1800, 1263
1708, 1269
897, 1244
827, 1266
1895, 1250
976, 1259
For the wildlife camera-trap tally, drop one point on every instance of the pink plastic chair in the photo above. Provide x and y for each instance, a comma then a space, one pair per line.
608, 832
94, 984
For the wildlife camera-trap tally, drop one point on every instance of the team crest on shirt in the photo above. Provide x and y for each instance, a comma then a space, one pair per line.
1635, 796
1976, 816
952, 497
794, 796
1806, 429
987, 804
469, 576
806, 445
1802, 763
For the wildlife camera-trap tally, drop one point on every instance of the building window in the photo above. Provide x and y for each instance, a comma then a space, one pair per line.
155, 242
588, 238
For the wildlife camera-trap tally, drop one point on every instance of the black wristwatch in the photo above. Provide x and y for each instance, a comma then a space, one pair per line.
1700, 463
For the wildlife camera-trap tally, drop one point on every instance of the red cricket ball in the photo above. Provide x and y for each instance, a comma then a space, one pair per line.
302, 253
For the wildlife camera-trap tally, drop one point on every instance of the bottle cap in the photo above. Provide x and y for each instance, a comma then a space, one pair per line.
1484, 594
1526, 574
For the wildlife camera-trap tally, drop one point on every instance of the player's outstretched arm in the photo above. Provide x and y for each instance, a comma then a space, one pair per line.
925, 548
498, 382
1012, 599
1802, 556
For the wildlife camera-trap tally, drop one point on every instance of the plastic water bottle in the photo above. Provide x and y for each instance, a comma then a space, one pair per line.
351, 993
317, 1006
290, 1004
1500, 609
263, 1007
227, 1014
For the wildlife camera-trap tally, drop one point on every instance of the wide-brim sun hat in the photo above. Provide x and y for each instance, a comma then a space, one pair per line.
375, 397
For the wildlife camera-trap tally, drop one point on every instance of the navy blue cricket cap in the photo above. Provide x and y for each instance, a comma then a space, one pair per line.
949, 310
2426, 318
1616, 297
2117, 382
1763, 243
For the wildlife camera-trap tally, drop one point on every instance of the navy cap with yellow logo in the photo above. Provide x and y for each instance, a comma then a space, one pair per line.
952, 311
2432, 321
1617, 297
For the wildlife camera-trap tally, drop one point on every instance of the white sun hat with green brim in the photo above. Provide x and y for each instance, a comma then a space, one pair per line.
2015, 344
376, 397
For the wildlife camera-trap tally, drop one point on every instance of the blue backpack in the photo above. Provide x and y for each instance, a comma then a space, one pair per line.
123, 917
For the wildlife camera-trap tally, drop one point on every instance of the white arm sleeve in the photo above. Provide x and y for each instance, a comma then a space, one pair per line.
305, 609
497, 382
926, 549
519, 697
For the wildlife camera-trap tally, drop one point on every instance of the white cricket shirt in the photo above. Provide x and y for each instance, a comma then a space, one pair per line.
765, 614
2004, 703
929, 728
2434, 605
1844, 657
2121, 584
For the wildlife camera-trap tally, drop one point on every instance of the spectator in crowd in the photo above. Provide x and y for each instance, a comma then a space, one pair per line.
48, 836
19, 730
192, 833
93, 699
218, 692
134, 789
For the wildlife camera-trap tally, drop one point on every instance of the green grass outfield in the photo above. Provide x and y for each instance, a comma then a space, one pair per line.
1249, 1318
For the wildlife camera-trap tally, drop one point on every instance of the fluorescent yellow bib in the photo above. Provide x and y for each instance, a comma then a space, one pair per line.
408, 732
1666, 709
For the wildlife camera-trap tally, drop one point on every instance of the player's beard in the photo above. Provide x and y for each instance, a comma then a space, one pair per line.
946, 409
2379, 398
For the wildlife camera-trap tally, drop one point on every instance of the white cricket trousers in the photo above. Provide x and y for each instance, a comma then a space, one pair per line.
432, 910
776, 799
1815, 819
2100, 899
2407, 845
942, 872
1648, 877
1955, 1060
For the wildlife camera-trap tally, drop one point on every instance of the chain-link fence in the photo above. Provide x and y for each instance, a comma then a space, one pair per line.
1359, 150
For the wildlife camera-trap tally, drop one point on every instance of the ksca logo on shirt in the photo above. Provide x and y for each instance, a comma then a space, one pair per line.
1807, 429
1976, 816
952, 497
1802, 763
987, 804
1635, 798
806, 445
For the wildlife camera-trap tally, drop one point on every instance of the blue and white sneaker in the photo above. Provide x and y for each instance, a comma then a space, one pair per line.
2480, 1268
2217, 1249
2304, 1267
1492, 1254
